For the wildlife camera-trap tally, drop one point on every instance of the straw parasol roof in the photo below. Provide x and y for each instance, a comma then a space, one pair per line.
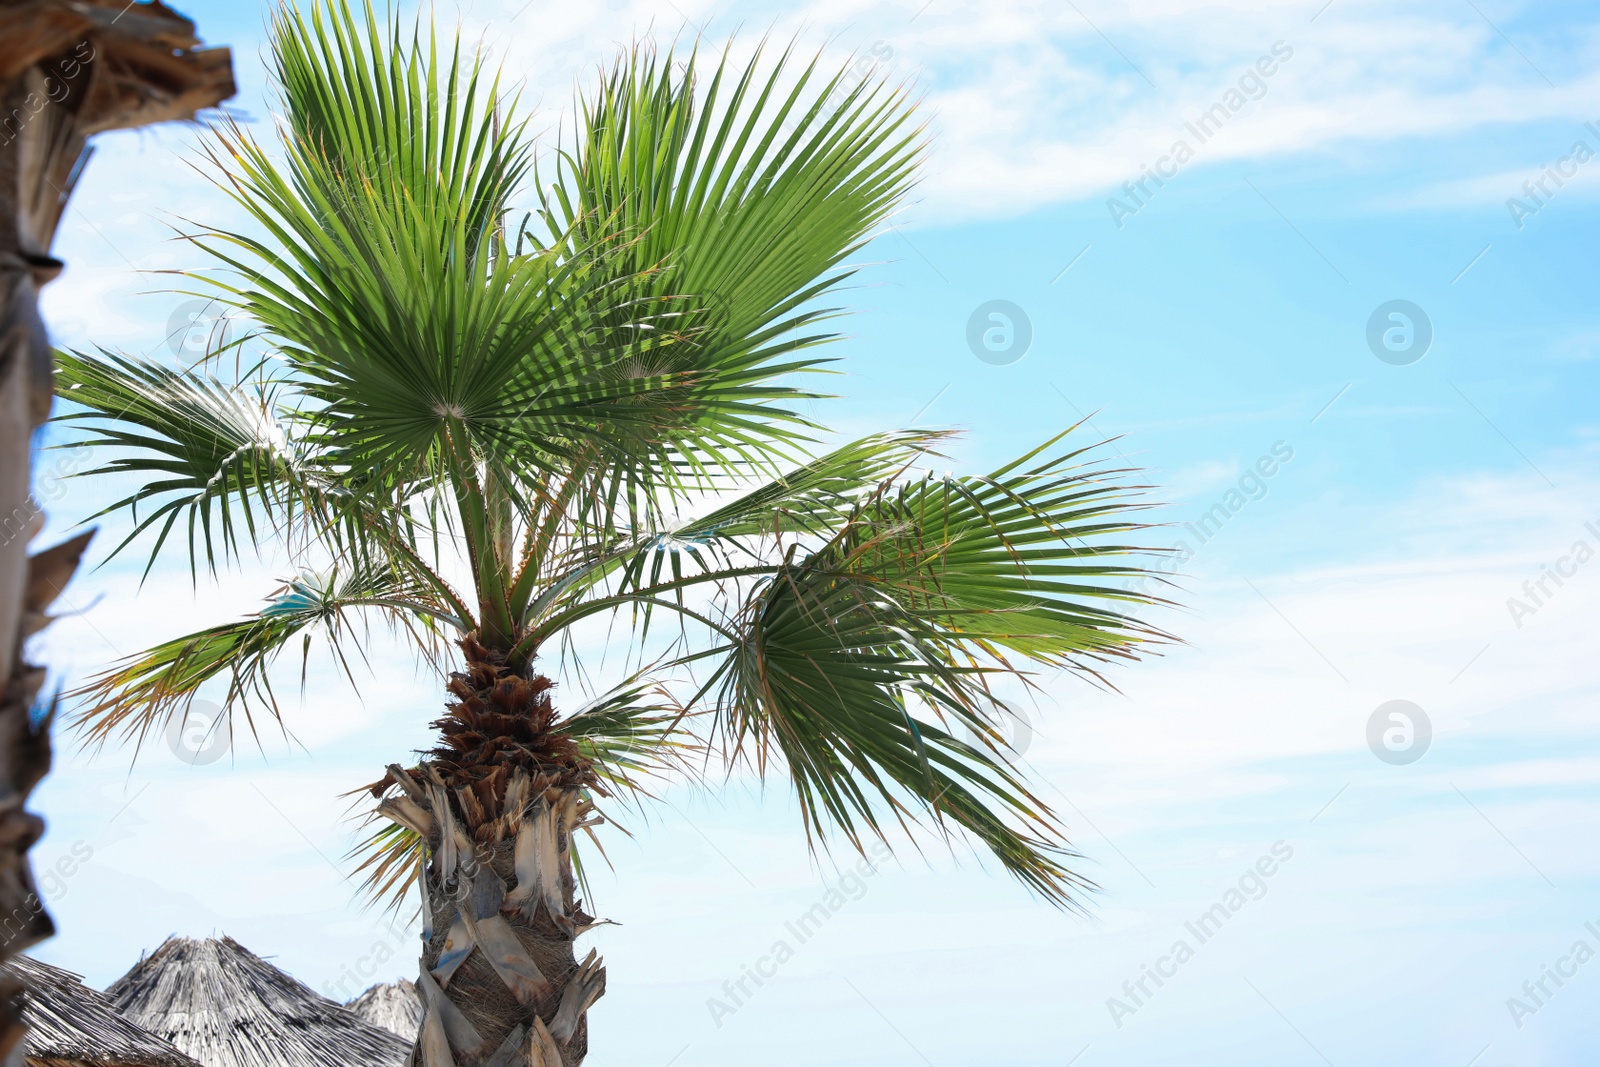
71, 1025
394, 1006
227, 1007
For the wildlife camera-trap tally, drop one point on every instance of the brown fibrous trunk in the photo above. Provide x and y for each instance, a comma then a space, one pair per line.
497, 803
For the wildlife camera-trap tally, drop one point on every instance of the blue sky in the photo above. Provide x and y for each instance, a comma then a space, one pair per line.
1225, 319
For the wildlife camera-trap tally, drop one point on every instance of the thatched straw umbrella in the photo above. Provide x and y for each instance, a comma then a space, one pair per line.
71, 1025
227, 1007
395, 1006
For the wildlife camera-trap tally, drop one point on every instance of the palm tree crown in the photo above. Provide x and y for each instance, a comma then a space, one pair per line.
533, 402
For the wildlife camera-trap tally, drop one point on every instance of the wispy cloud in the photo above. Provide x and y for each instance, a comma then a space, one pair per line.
1037, 104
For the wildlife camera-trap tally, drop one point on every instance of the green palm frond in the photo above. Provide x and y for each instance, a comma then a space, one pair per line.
634, 733
204, 450
229, 460
420, 344
815, 498
140, 694
1022, 560
391, 857
412, 347
740, 227
369, 109
826, 677
858, 664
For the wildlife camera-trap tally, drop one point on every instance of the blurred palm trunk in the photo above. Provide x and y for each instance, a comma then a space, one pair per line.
68, 69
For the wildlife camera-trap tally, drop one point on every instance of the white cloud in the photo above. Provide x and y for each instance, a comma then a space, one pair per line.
1502, 187
1031, 104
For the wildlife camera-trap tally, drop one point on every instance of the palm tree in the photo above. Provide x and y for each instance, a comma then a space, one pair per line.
490, 437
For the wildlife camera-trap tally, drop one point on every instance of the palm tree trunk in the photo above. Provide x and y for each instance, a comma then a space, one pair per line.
67, 70
497, 805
